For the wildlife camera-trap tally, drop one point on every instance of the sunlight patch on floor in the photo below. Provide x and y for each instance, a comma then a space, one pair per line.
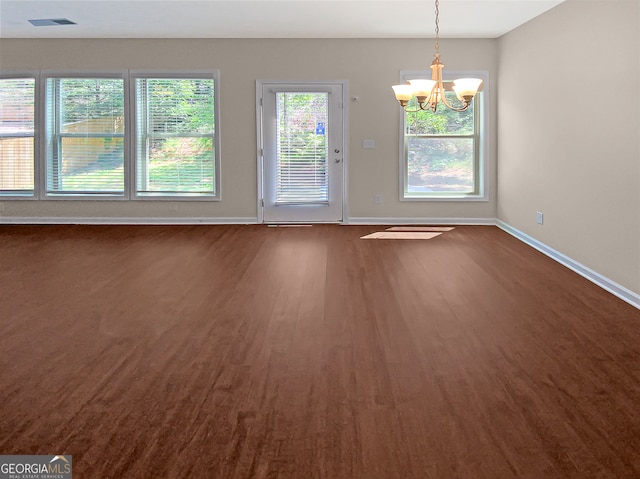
420, 235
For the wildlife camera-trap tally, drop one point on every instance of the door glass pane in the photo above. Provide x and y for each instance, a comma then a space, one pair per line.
302, 149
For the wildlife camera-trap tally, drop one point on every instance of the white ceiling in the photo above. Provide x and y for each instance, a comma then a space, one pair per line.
267, 18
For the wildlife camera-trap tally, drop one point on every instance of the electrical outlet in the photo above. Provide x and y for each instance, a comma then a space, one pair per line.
377, 199
540, 218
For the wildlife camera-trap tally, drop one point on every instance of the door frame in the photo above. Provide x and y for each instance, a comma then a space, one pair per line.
260, 139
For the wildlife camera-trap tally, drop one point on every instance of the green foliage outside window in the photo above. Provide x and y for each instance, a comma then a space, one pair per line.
440, 151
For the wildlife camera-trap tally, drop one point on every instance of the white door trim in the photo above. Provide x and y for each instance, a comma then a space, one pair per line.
260, 140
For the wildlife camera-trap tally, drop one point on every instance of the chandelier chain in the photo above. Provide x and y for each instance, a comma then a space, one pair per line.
437, 26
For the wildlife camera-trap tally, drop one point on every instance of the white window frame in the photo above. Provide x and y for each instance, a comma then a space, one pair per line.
28, 194
128, 76
58, 74
481, 160
186, 74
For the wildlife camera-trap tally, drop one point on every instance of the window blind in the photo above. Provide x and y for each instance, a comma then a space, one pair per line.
175, 136
17, 108
85, 135
302, 148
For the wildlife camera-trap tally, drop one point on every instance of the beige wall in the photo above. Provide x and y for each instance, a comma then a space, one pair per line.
370, 66
568, 143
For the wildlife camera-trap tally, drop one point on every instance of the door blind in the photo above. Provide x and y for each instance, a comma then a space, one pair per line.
302, 148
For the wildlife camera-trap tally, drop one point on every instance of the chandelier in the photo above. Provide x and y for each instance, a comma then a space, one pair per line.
429, 93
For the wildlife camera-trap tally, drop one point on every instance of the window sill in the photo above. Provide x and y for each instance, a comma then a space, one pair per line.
9, 196
454, 198
176, 197
84, 196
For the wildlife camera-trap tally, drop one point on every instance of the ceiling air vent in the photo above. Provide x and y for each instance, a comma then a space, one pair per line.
48, 22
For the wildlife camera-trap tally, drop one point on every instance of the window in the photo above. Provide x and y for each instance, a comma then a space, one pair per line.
441, 154
175, 136
111, 135
17, 140
85, 128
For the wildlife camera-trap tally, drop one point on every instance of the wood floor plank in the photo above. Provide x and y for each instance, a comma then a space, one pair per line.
242, 351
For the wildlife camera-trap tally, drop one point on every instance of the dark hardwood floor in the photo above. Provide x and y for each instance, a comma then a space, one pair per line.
257, 352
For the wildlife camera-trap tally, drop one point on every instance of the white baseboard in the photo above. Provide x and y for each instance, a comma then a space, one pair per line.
614, 288
419, 221
59, 220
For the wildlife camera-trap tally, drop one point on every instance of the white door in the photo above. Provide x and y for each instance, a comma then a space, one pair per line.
301, 152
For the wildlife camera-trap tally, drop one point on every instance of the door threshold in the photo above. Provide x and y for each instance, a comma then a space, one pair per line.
288, 225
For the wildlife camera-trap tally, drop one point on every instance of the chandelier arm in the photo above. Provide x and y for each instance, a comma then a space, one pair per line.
465, 105
414, 111
424, 106
432, 98
443, 97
